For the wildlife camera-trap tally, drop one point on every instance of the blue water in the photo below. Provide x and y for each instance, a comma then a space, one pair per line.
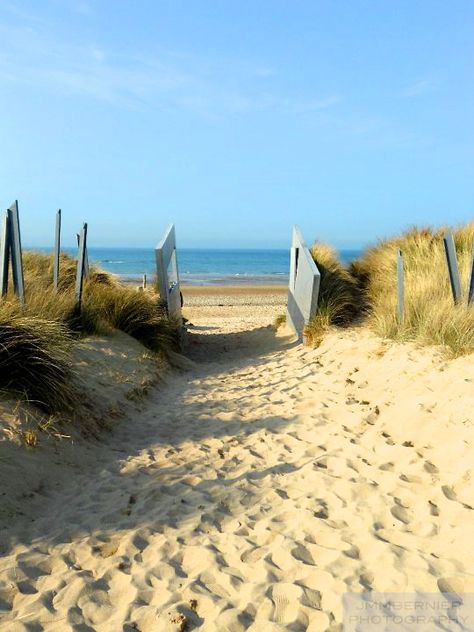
202, 267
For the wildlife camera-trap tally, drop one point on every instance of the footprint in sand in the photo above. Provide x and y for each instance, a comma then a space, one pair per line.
456, 585
451, 495
431, 468
252, 556
283, 560
400, 513
234, 620
366, 580
287, 601
322, 513
449, 492
311, 598
411, 478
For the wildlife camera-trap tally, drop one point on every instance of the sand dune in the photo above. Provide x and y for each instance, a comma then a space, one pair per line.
253, 490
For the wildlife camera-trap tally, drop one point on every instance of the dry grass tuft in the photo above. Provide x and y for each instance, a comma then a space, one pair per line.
135, 313
36, 340
279, 321
35, 359
430, 314
368, 288
339, 300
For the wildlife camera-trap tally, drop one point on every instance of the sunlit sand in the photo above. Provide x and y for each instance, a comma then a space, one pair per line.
250, 489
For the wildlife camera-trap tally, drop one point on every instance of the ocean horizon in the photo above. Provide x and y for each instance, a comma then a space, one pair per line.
202, 266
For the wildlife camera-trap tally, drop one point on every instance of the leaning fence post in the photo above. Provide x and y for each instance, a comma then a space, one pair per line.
80, 266
470, 296
57, 249
15, 243
452, 266
5, 253
401, 289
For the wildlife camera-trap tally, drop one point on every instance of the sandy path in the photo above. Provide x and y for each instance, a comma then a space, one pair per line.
254, 490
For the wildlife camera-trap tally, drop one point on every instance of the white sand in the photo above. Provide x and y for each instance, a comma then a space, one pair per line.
252, 491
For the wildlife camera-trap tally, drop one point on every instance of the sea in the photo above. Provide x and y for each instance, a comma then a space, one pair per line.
202, 266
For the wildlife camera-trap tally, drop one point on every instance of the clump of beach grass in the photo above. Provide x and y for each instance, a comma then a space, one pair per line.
431, 317
36, 340
35, 363
135, 313
279, 321
339, 301
107, 304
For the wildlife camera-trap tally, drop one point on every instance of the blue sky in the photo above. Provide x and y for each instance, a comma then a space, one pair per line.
236, 119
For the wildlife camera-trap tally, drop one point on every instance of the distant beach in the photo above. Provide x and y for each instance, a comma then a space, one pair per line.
202, 267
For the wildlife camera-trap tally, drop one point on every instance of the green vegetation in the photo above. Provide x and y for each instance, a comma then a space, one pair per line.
35, 360
36, 340
367, 290
279, 321
339, 301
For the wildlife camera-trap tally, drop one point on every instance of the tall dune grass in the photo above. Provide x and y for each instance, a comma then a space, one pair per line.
36, 339
35, 360
367, 290
339, 301
132, 312
430, 314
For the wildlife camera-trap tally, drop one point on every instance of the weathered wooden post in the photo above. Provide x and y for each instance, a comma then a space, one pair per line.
15, 243
470, 296
86, 263
80, 266
57, 250
453, 266
5, 253
401, 289
86, 258
144, 282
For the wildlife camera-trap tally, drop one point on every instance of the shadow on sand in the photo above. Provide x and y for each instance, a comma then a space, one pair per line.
160, 498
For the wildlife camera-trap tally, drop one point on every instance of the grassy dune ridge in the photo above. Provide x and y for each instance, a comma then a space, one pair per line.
36, 341
367, 290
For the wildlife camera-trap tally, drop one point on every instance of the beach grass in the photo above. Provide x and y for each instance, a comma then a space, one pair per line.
430, 316
135, 313
37, 339
339, 301
279, 321
35, 362
366, 291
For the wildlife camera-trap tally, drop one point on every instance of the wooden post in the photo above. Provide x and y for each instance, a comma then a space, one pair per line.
86, 257
5, 253
80, 266
15, 244
401, 289
57, 250
144, 282
452, 266
86, 263
470, 296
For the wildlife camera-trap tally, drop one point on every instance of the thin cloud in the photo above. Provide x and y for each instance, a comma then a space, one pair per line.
83, 8
419, 88
301, 106
34, 59
264, 72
